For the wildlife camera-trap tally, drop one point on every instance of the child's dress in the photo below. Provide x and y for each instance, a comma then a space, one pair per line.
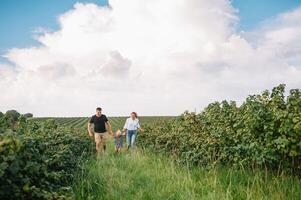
118, 139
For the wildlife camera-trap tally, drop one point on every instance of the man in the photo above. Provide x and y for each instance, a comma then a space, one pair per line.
101, 125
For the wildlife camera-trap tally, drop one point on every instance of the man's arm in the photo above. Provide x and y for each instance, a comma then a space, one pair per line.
109, 127
90, 131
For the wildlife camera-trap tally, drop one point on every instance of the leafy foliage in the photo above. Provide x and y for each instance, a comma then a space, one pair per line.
13, 115
38, 160
28, 115
264, 131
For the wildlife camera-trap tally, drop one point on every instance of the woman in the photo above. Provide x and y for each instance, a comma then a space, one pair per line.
131, 126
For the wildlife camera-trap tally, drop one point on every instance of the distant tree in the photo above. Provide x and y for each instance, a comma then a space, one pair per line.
1, 114
28, 115
13, 115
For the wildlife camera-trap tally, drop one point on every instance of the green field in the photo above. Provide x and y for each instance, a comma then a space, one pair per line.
139, 174
251, 151
116, 122
143, 174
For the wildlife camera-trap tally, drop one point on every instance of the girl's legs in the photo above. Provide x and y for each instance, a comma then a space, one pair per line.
119, 144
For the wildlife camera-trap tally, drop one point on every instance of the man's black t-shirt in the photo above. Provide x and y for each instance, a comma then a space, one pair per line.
99, 123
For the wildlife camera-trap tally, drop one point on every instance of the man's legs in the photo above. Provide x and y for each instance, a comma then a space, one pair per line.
97, 143
100, 141
104, 144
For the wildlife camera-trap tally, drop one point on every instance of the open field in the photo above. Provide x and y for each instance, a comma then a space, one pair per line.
145, 175
138, 174
251, 151
116, 122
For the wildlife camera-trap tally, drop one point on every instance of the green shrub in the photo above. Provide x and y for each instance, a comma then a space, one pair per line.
264, 131
28, 115
38, 160
13, 115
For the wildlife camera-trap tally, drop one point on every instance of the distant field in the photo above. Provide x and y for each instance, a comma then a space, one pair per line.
116, 122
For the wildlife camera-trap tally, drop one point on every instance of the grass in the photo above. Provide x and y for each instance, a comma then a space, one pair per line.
144, 175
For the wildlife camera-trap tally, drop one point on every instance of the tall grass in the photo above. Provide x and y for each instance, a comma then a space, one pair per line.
144, 175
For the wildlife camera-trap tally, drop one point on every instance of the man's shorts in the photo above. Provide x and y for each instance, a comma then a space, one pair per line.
101, 137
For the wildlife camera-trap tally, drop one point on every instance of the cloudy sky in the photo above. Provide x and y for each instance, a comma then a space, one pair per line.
154, 57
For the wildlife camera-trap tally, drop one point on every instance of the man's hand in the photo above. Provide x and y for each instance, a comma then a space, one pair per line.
91, 135
109, 128
90, 130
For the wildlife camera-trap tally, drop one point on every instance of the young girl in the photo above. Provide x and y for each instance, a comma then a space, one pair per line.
118, 139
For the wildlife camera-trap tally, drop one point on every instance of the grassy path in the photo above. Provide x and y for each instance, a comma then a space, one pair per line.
144, 175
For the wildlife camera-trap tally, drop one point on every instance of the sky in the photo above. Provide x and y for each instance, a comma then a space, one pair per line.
64, 58
19, 23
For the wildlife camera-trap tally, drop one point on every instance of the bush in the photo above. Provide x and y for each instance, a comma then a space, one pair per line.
13, 115
38, 160
264, 131
28, 115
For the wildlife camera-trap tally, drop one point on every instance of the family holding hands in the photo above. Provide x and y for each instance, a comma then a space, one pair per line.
102, 126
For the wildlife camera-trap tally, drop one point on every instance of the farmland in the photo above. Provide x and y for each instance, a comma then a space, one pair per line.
116, 122
251, 151
40, 157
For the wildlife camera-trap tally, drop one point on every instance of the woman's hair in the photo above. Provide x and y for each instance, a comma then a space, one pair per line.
135, 114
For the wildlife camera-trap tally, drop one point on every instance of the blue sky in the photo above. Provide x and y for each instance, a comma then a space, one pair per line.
20, 18
252, 12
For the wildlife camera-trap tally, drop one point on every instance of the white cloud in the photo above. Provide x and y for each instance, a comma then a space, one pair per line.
155, 57
7, 72
55, 71
116, 65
